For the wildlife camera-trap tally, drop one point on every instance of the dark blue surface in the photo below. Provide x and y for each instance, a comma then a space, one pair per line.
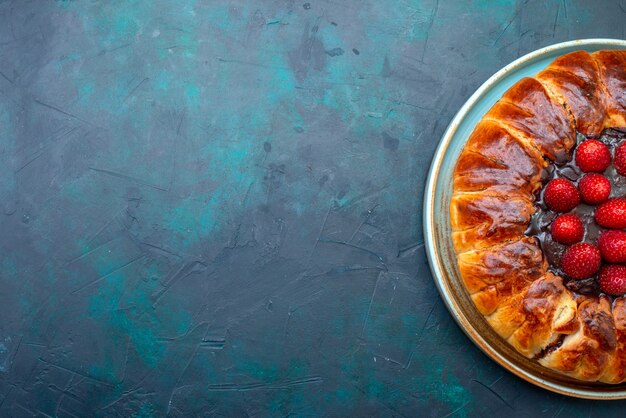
214, 208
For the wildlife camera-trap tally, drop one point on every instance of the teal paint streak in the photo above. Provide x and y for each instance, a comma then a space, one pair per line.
69, 58
143, 337
260, 371
125, 26
448, 390
489, 4
138, 323
7, 148
192, 92
85, 91
116, 23
281, 85
582, 14
189, 46
162, 81
145, 411
343, 395
8, 266
65, 4
408, 22
192, 220
218, 16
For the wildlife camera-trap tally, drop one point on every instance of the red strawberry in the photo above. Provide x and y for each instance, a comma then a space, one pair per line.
593, 156
561, 195
612, 214
567, 229
594, 188
581, 261
620, 159
612, 245
613, 279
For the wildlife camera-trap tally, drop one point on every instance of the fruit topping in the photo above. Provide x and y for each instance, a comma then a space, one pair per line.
612, 245
612, 214
592, 156
620, 159
580, 220
613, 279
561, 195
581, 260
567, 229
594, 188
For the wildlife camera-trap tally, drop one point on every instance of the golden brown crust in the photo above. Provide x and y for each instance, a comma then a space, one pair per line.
527, 109
536, 317
493, 158
520, 260
475, 172
586, 354
496, 179
575, 78
612, 65
615, 371
550, 311
509, 316
483, 219
494, 296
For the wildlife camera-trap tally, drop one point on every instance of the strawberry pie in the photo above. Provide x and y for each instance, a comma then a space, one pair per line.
538, 216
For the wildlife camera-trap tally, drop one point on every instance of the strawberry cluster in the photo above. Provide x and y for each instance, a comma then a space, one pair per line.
607, 257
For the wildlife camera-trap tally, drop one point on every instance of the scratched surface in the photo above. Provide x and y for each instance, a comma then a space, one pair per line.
213, 208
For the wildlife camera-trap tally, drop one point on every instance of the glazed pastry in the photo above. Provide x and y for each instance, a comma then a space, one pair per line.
512, 276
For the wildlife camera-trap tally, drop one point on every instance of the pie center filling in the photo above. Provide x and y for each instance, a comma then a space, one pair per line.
580, 218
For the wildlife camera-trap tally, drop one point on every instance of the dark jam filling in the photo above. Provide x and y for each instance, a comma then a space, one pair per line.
542, 219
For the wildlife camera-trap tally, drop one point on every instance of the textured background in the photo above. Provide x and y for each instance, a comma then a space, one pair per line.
214, 207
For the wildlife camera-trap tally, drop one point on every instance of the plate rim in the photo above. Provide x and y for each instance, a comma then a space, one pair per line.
431, 246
